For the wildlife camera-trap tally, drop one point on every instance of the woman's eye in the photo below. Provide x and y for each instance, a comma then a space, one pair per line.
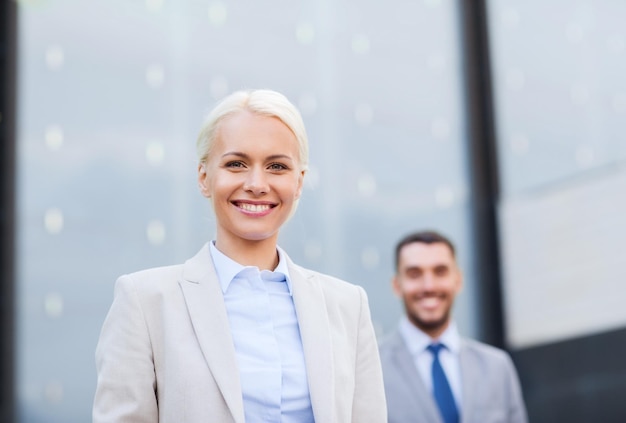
278, 166
235, 164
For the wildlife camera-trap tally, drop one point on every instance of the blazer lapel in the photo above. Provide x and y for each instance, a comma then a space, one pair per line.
468, 381
423, 398
308, 299
205, 303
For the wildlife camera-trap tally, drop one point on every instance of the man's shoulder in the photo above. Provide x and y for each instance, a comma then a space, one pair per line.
472, 348
480, 347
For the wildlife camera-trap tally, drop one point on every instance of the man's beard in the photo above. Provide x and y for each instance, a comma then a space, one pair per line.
429, 326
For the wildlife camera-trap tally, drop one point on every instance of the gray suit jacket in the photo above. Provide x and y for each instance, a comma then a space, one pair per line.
166, 355
491, 389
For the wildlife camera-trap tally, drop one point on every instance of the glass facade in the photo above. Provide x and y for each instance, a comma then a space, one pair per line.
560, 99
111, 97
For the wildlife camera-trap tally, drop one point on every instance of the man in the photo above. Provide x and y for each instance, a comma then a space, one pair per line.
431, 374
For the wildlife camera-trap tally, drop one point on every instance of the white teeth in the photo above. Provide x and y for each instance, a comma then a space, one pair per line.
430, 302
255, 208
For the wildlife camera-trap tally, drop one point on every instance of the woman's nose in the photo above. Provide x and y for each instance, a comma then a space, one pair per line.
256, 182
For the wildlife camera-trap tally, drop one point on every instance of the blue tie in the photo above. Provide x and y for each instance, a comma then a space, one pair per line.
441, 388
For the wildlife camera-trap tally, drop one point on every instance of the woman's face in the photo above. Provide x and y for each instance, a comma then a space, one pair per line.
253, 176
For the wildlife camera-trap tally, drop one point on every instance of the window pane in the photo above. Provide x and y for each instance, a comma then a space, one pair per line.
561, 104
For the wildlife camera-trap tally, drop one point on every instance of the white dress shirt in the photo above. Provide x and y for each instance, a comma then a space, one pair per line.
418, 342
267, 341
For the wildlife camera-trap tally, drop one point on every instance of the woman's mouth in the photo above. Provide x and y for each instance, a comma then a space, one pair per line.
254, 208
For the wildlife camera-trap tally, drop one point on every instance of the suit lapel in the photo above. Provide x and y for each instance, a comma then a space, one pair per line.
205, 303
423, 398
469, 376
308, 298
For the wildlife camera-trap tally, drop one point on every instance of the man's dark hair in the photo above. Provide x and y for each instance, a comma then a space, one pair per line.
425, 237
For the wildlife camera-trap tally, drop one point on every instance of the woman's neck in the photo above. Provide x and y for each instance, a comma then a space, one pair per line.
262, 253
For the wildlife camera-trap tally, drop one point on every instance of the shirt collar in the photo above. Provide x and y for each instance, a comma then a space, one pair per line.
417, 341
227, 268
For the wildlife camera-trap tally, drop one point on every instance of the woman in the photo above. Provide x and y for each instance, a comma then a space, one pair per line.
239, 333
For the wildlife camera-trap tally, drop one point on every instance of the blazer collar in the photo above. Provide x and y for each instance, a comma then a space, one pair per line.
227, 268
205, 303
207, 311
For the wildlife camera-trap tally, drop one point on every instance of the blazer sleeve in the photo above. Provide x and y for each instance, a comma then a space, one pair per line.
126, 386
369, 404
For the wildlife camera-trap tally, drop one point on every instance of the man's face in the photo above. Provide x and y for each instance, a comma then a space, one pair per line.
427, 281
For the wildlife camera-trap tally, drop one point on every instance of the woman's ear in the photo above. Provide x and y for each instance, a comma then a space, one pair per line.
300, 183
203, 180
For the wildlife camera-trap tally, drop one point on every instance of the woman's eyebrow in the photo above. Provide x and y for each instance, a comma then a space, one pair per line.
235, 153
279, 156
246, 156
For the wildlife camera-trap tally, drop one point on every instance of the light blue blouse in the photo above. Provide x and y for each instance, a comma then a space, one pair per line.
267, 341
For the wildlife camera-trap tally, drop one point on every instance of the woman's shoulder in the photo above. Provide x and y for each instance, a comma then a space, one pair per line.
166, 276
154, 278
151, 272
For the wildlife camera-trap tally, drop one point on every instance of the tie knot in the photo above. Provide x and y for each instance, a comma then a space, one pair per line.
435, 348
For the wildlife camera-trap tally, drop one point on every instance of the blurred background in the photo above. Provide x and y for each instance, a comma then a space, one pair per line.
499, 123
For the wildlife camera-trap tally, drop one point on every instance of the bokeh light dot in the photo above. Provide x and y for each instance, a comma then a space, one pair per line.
155, 76
155, 231
53, 305
55, 57
155, 153
217, 13
154, 6
444, 197
366, 185
53, 221
585, 156
370, 258
305, 33
54, 137
360, 44
53, 392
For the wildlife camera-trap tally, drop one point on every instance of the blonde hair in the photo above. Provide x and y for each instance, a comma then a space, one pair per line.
263, 102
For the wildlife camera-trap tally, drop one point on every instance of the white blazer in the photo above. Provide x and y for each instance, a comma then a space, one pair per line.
166, 355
